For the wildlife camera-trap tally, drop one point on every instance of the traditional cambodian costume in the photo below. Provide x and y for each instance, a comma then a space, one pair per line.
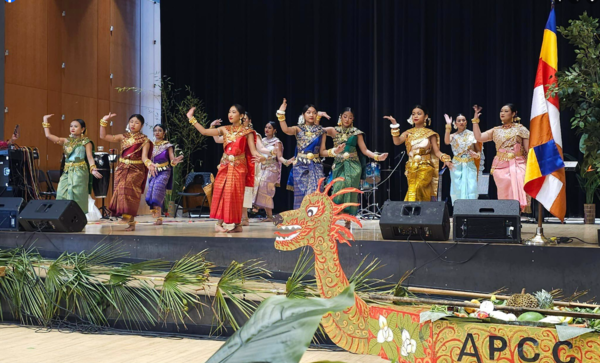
74, 182
422, 167
508, 167
268, 177
130, 176
464, 174
307, 170
236, 171
349, 164
163, 181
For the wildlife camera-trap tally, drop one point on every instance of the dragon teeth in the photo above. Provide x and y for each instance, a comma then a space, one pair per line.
288, 237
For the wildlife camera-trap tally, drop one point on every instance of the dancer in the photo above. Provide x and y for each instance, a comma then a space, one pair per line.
232, 177
423, 148
74, 183
349, 163
512, 144
307, 170
269, 175
130, 174
254, 168
466, 153
163, 158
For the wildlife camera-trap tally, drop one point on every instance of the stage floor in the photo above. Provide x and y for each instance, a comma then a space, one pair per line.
185, 227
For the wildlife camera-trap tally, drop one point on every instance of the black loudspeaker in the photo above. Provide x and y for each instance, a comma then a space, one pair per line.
53, 216
415, 220
487, 221
9, 213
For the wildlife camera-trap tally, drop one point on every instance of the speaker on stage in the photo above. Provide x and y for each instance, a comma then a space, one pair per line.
53, 216
415, 220
487, 220
9, 213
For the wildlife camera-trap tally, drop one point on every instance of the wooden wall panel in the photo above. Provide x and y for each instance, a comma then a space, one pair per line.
55, 47
123, 112
104, 82
26, 28
103, 109
59, 128
80, 47
125, 49
26, 106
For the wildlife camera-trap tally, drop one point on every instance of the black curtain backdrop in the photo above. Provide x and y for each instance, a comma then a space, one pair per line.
379, 57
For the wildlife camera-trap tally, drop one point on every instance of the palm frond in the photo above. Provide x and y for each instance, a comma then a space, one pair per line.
231, 287
297, 286
176, 292
363, 283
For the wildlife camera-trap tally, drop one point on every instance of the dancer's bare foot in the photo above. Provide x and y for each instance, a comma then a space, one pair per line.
236, 229
245, 222
268, 219
220, 229
131, 227
158, 222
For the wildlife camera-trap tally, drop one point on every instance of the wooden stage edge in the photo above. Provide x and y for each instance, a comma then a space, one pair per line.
482, 267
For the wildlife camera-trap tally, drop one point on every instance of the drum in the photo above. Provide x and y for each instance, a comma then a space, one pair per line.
373, 173
100, 186
364, 185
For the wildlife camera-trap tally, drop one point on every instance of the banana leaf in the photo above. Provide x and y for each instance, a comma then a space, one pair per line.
280, 330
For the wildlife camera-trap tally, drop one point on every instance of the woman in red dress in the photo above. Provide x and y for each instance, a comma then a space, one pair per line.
232, 177
130, 174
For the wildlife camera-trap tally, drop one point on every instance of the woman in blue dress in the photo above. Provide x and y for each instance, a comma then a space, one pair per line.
308, 169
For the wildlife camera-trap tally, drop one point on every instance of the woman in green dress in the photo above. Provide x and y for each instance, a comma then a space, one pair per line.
78, 151
348, 163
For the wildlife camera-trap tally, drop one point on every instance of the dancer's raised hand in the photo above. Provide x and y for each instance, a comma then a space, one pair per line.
190, 113
109, 116
324, 114
448, 119
283, 105
477, 110
391, 118
47, 117
215, 123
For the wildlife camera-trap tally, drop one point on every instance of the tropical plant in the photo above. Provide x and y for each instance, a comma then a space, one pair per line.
578, 89
281, 329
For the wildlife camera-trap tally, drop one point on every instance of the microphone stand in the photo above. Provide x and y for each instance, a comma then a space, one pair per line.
401, 157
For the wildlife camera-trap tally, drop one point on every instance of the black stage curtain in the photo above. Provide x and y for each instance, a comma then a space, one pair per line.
378, 57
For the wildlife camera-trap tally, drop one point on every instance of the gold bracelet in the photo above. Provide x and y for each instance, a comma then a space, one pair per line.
93, 167
173, 163
193, 121
280, 117
331, 153
395, 133
376, 157
319, 118
103, 123
445, 158
148, 163
46, 125
448, 127
475, 120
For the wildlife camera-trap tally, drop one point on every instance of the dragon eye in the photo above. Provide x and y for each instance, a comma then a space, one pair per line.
312, 211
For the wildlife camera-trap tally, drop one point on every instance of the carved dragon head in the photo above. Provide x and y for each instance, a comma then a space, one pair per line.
314, 223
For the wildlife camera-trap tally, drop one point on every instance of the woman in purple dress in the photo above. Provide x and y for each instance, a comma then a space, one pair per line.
161, 180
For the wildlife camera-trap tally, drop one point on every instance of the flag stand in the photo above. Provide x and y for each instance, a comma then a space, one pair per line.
539, 239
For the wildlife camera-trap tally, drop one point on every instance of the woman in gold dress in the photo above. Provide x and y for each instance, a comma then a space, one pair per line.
423, 149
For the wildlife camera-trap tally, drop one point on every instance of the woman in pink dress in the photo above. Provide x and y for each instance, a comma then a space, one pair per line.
512, 144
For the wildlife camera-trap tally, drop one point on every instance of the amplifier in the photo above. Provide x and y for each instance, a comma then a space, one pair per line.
415, 220
9, 213
487, 221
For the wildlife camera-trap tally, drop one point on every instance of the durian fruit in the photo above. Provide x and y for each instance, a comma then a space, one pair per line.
523, 300
545, 300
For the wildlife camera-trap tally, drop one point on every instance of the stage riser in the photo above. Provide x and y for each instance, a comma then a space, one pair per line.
491, 267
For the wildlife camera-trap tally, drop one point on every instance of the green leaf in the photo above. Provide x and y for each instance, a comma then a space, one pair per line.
374, 347
280, 330
391, 350
374, 326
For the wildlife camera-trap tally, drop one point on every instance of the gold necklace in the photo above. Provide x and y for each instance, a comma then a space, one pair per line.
233, 135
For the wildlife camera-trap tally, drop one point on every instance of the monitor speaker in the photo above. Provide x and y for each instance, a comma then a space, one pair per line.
415, 220
53, 216
489, 220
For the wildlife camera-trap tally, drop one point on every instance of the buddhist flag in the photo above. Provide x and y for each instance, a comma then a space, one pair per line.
545, 173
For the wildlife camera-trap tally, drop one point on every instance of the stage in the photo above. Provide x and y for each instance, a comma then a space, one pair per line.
465, 266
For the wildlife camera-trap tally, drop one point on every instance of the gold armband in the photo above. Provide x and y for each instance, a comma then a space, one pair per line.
475, 120
396, 132
280, 117
148, 163
193, 121
319, 118
93, 167
448, 127
103, 123
46, 125
445, 158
